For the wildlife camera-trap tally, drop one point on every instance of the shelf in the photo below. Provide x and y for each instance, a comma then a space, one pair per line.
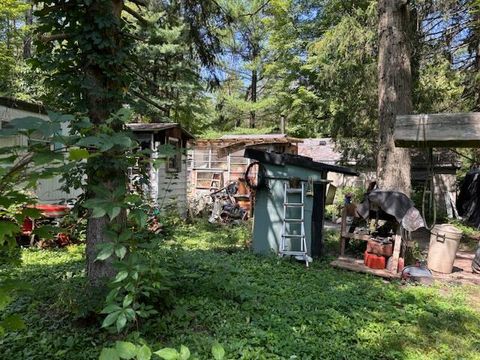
364, 237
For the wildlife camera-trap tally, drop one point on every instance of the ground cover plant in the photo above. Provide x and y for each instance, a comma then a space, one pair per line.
217, 291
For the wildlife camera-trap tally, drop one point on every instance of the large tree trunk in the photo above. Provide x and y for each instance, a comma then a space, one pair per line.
103, 97
395, 92
475, 47
253, 98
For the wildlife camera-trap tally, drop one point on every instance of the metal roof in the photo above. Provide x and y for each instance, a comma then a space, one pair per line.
296, 160
320, 150
145, 127
270, 137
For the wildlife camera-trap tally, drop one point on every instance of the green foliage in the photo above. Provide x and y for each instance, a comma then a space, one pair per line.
128, 350
344, 67
22, 166
357, 193
235, 298
170, 75
242, 97
14, 73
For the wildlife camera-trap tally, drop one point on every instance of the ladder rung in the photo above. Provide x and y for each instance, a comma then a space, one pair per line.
293, 204
294, 191
293, 253
293, 236
294, 220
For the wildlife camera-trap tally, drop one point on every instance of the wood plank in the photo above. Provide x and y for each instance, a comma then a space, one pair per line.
343, 228
358, 266
396, 253
438, 130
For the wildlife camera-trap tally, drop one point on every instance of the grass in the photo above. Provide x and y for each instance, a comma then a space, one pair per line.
256, 307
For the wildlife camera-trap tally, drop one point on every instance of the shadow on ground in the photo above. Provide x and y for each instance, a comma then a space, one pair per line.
256, 307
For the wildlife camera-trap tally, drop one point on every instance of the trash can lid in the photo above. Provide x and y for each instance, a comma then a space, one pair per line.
445, 228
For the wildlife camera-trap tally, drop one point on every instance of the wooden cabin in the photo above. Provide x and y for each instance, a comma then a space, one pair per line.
48, 190
167, 169
213, 163
167, 182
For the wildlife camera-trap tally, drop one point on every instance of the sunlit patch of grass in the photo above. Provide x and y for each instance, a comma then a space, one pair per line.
256, 307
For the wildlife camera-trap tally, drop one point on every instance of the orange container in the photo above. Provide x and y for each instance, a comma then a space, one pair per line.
374, 247
374, 261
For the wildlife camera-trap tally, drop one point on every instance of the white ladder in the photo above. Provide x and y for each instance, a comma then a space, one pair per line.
284, 250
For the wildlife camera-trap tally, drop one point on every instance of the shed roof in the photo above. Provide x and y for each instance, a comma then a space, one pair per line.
153, 127
269, 137
296, 160
228, 140
13, 103
320, 150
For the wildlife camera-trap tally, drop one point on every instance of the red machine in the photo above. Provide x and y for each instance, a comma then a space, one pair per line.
51, 215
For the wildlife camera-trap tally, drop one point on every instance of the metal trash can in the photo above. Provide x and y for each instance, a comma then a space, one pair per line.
444, 241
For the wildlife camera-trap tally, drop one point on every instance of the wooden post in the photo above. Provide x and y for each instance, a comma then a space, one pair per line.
229, 168
342, 231
317, 245
396, 253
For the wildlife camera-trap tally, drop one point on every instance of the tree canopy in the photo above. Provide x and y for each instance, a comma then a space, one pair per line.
222, 65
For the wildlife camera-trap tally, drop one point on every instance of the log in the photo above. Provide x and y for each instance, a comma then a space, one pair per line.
438, 130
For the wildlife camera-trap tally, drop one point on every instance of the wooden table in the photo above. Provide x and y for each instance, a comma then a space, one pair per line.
354, 265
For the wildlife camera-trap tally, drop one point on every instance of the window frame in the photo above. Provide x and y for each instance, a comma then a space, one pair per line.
177, 158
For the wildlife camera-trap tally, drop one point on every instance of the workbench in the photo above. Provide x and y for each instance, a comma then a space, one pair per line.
357, 265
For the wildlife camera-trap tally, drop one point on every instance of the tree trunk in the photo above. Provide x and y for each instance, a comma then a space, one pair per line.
27, 41
253, 98
476, 45
103, 97
395, 92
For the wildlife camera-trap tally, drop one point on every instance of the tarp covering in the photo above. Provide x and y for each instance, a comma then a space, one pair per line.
394, 203
476, 262
468, 202
468, 206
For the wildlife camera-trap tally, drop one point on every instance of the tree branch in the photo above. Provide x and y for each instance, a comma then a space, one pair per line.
147, 100
139, 2
260, 8
54, 37
135, 14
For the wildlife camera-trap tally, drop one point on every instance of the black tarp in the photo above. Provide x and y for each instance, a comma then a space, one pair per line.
468, 202
476, 262
393, 203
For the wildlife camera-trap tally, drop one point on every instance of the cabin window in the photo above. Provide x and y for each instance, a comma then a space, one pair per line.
174, 159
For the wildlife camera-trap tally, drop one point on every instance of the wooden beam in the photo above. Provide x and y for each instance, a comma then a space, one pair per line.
438, 130
358, 266
396, 253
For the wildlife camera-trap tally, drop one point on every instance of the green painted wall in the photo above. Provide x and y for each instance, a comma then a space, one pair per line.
268, 214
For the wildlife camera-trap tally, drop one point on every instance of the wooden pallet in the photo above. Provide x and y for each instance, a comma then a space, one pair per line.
357, 265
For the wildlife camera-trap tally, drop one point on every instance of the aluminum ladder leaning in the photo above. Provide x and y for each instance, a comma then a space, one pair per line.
285, 250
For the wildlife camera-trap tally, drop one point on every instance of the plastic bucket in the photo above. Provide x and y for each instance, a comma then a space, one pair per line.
444, 241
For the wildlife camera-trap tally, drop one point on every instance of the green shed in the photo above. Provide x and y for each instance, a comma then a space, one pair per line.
290, 203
